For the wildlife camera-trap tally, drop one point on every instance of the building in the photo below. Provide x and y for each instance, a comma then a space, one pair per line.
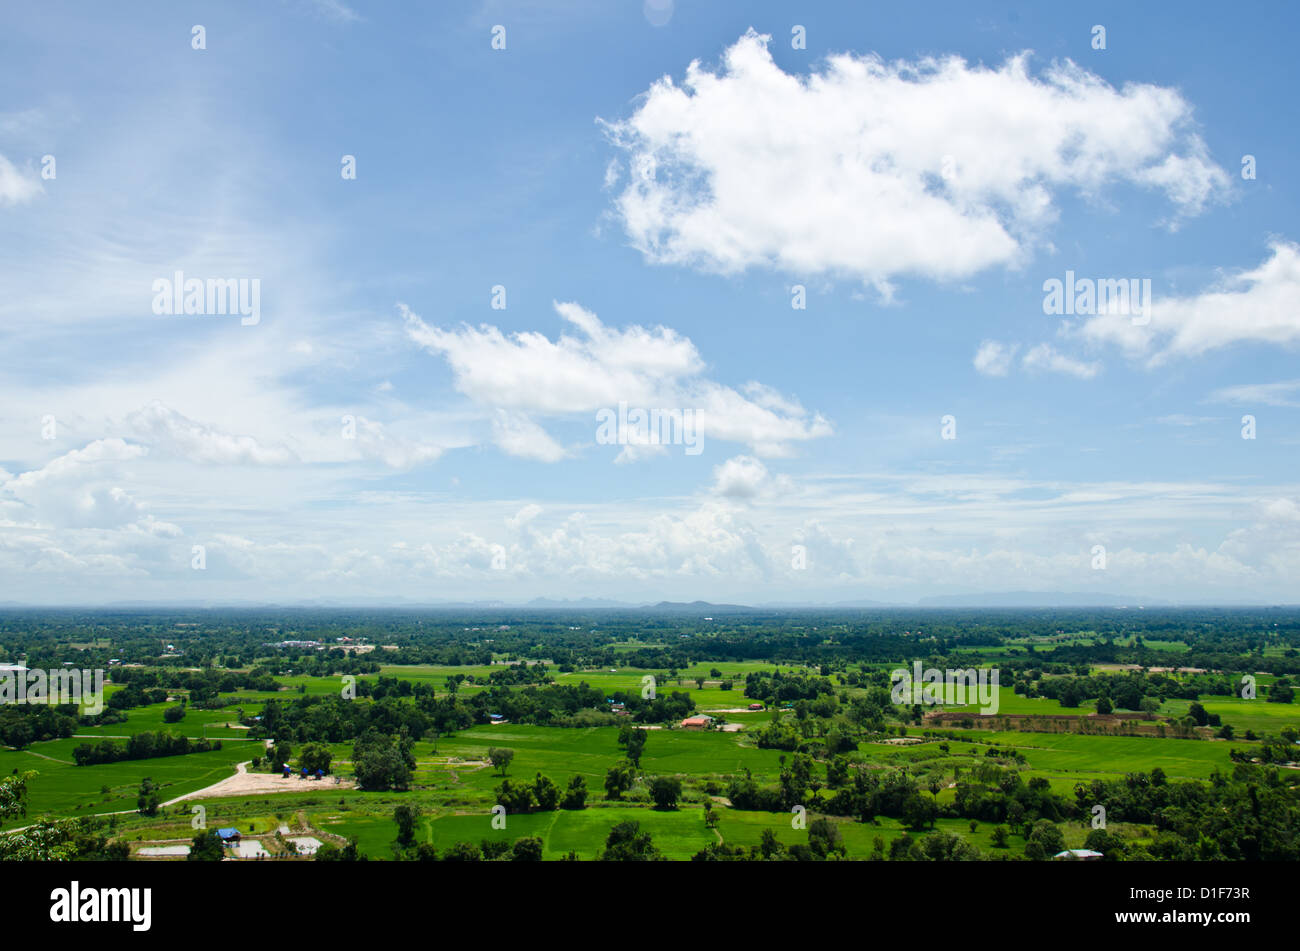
229, 836
756, 706
1078, 855
699, 722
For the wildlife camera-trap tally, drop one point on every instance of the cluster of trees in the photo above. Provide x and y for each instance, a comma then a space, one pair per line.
383, 761
1272, 749
141, 746
776, 687
1251, 815
1131, 691
24, 723
542, 795
200, 685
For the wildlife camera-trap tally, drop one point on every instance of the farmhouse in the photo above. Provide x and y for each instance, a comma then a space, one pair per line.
229, 836
756, 706
700, 722
1078, 855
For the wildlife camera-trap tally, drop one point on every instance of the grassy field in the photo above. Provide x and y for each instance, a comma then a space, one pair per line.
454, 787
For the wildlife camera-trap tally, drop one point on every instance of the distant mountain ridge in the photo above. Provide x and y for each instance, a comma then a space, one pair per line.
995, 599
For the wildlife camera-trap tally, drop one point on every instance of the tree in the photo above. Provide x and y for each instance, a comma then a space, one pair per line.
315, 756
627, 843
618, 780
381, 762
665, 791
206, 847
632, 739
528, 848
575, 797
1045, 840
463, 852
1281, 691
329, 852
500, 758
919, 812
1104, 705
13, 795
278, 756
769, 845
406, 817
146, 802
824, 838
516, 797
546, 793
173, 714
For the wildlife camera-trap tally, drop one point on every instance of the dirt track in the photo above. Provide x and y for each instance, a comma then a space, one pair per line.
244, 783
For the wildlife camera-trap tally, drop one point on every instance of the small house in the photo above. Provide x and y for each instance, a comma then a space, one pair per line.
229, 836
1078, 855
699, 722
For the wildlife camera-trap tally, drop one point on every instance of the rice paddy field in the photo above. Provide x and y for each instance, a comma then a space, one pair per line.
454, 787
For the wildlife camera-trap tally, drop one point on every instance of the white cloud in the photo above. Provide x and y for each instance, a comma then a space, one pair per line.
1285, 393
521, 376
1257, 306
76, 489
740, 477
518, 435
374, 441
1045, 357
15, 187
872, 170
994, 358
164, 428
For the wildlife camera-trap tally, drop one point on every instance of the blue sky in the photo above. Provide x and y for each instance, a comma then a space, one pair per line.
920, 174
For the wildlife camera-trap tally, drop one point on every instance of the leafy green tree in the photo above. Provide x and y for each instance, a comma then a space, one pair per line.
516, 797
575, 797
824, 838
315, 756
380, 761
278, 756
146, 802
329, 852
500, 758
206, 847
13, 795
463, 852
618, 780
406, 816
527, 848
546, 793
632, 739
769, 846
665, 791
1045, 840
919, 812
627, 843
